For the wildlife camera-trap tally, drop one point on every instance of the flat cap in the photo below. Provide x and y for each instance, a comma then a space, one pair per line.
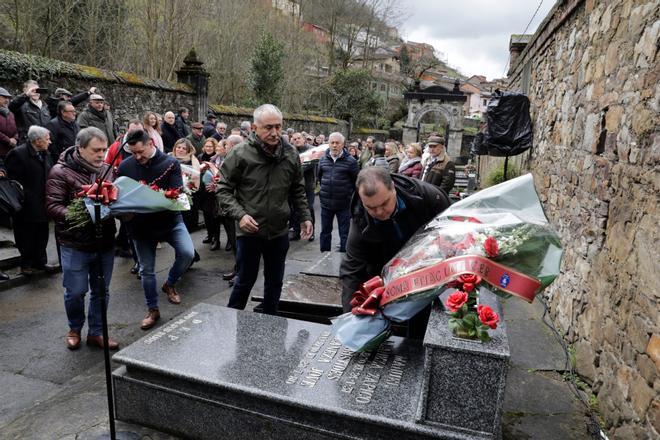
61, 91
435, 140
4, 92
96, 97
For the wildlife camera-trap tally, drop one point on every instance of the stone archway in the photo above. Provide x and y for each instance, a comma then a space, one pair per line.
449, 103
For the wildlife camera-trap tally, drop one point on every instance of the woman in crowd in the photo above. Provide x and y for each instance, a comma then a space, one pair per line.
412, 165
353, 150
206, 199
184, 152
152, 128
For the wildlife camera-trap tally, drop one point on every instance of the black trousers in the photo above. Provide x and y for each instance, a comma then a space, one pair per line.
31, 240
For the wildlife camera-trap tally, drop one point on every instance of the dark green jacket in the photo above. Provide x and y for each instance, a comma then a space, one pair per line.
257, 183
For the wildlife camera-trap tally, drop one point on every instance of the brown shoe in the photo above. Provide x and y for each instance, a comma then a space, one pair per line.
149, 321
172, 295
97, 341
73, 340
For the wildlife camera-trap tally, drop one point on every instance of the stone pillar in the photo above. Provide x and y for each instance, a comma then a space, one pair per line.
454, 142
193, 74
409, 135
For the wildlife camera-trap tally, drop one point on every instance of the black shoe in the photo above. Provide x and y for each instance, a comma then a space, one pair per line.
3, 276
48, 268
311, 237
196, 258
216, 245
228, 276
294, 237
135, 269
207, 240
228, 246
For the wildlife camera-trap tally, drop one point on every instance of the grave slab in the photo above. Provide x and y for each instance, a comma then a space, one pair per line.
326, 266
216, 372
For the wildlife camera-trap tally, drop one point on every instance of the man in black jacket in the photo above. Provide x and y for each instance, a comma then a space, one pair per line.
181, 123
63, 129
29, 109
29, 164
150, 165
64, 95
387, 210
337, 173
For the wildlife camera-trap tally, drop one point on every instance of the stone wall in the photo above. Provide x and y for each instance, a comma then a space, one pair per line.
592, 76
128, 94
233, 116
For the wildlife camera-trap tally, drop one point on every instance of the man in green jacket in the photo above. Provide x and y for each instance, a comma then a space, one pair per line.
258, 176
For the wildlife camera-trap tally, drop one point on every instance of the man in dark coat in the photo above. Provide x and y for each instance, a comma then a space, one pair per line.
29, 109
440, 170
64, 95
209, 125
337, 173
95, 115
63, 129
8, 131
387, 209
181, 123
259, 176
220, 131
81, 165
149, 164
168, 132
29, 164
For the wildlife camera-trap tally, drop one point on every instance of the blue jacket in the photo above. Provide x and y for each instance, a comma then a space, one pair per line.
164, 171
337, 180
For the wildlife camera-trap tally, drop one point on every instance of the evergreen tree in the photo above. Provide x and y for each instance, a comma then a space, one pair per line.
351, 96
404, 60
267, 73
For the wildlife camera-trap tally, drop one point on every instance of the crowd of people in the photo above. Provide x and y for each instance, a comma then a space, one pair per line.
262, 195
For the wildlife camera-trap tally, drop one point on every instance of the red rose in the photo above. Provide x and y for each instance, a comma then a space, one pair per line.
487, 316
468, 287
456, 300
491, 247
469, 278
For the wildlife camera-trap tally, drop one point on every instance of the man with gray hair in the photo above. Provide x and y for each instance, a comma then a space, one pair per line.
387, 212
81, 165
29, 164
259, 175
246, 128
337, 172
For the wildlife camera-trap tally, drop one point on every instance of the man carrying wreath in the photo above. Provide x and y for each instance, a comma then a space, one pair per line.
386, 210
157, 170
81, 164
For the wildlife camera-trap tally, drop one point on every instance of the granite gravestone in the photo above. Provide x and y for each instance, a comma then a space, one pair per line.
314, 294
221, 373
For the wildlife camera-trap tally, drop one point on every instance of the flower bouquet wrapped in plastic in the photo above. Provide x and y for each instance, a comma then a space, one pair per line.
497, 239
124, 196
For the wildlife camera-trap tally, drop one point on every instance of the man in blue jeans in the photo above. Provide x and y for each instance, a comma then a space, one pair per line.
258, 176
81, 165
337, 173
150, 165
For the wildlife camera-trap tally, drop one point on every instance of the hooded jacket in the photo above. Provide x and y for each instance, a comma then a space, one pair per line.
259, 183
65, 179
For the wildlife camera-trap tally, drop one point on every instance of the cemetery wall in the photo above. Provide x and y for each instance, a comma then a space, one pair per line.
592, 76
129, 95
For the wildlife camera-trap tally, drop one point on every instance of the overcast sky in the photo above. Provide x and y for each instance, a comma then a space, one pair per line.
472, 34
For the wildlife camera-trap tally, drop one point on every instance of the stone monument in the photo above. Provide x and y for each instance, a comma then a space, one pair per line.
215, 372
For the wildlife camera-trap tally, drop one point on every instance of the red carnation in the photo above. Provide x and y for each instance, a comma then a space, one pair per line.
491, 247
487, 316
456, 300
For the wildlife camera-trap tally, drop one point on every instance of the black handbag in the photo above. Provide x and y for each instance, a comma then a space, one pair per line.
11, 196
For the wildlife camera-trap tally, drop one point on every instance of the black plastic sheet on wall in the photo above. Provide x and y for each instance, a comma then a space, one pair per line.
509, 126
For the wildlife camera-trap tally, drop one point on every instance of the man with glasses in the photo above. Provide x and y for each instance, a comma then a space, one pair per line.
63, 129
259, 175
439, 170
